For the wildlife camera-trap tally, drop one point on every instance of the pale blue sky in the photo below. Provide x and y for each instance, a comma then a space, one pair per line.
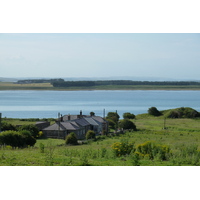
169, 55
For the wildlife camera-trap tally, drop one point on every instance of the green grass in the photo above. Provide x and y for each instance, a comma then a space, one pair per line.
19, 122
33, 86
181, 135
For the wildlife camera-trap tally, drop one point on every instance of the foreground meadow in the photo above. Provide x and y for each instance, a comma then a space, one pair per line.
158, 142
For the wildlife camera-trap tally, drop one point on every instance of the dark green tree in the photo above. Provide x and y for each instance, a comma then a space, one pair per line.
128, 115
127, 124
92, 113
154, 111
31, 128
113, 116
111, 123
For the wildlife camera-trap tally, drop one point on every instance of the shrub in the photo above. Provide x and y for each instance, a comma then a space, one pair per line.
153, 111
90, 134
32, 128
10, 138
7, 126
71, 139
128, 115
41, 148
122, 148
41, 135
28, 139
111, 123
151, 149
127, 124
17, 139
113, 116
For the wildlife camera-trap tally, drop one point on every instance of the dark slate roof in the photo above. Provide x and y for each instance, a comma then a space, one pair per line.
63, 126
52, 127
99, 119
92, 121
69, 126
82, 122
72, 117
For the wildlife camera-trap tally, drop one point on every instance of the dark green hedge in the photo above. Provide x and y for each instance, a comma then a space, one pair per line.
17, 139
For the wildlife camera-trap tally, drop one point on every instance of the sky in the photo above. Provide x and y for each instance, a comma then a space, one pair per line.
163, 55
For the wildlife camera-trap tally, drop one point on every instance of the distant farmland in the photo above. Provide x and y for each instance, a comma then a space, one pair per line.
101, 85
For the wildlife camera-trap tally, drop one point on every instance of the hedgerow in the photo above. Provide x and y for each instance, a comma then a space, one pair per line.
17, 139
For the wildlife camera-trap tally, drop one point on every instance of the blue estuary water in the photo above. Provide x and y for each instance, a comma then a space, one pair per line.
47, 104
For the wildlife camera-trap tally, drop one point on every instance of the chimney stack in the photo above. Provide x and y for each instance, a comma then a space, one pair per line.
69, 117
80, 113
61, 119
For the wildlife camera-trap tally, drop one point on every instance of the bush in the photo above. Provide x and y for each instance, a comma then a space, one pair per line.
111, 123
28, 139
32, 128
153, 111
7, 126
113, 116
71, 139
41, 134
90, 135
41, 148
17, 139
127, 124
128, 116
151, 149
10, 138
122, 148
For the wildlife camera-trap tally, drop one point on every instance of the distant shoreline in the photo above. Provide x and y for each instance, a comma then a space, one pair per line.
47, 86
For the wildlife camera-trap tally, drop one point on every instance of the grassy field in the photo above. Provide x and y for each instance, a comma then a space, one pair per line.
48, 86
182, 136
33, 86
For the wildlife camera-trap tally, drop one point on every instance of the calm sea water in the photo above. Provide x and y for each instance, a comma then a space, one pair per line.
47, 104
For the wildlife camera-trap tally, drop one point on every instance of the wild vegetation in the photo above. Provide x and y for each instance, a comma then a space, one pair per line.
158, 141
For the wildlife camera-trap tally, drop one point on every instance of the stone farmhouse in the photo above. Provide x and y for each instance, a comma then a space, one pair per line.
79, 124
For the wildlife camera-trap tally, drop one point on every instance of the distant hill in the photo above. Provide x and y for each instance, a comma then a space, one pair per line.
117, 78
183, 112
8, 79
133, 78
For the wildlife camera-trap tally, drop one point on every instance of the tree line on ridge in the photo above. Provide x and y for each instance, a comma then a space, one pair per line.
120, 82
